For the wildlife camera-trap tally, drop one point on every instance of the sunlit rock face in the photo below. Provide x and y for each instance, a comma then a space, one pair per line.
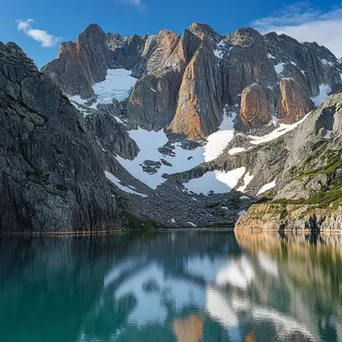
256, 110
294, 102
185, 81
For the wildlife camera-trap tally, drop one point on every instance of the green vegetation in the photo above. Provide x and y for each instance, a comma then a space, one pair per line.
133, 222
213, 205
334, 162
274, 143
330, 196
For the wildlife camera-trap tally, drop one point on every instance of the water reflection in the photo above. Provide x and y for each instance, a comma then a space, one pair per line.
185, 286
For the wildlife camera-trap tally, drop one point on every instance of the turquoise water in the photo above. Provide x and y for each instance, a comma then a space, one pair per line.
171, 286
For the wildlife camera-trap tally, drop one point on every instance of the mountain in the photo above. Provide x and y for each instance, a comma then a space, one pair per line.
188, 130
308, 191
51, 177
185, 82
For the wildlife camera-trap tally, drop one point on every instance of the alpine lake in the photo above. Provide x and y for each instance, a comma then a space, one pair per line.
185, 286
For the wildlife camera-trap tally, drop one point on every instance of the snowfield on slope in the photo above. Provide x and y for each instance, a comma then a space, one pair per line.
216, 181
281, 130
122, 187
267, 187
117, 85
324, 90
182, 160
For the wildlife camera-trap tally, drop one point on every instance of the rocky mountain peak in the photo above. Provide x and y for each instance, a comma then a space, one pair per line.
200, 29
245, 37
90, 32
184, 82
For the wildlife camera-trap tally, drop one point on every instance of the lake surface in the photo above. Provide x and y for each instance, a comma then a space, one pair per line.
171, 286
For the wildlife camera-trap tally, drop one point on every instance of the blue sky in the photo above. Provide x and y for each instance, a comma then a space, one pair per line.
63, 20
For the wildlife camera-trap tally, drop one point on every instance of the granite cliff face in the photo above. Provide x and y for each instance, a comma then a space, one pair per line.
51, 177
185, 82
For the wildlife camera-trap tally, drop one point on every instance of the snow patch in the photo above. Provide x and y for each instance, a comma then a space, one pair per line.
324, 90
219, 47
270, 56
217, 181
117, 85
281, 130
182, 159
122, 187
218, 54
149, 142
327, 63
77, 99
279, 68
236, 150
327, 135
267, 187
219, 140
242, 212
247, 179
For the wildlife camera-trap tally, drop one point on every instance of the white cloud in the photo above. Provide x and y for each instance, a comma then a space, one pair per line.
306, 24
41, 36
136, 3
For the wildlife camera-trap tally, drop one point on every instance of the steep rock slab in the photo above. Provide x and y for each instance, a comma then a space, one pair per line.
317, 64
200, 107
153, 101
293, 102
51, 179
248, 62
256, 109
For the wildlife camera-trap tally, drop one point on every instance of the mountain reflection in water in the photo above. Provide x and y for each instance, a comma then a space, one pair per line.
171, 286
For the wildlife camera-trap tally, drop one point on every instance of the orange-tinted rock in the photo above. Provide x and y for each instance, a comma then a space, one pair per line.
189, 329
153, 101
293, 102
158, 50
199, 111
248, 61
255, 109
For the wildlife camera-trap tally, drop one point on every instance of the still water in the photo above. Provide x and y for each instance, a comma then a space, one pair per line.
171, 286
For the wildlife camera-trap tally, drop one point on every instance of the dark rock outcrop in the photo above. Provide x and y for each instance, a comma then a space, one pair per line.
51, 178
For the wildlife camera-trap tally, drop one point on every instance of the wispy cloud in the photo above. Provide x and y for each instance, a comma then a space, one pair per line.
41, 36
136, 3
305, 22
